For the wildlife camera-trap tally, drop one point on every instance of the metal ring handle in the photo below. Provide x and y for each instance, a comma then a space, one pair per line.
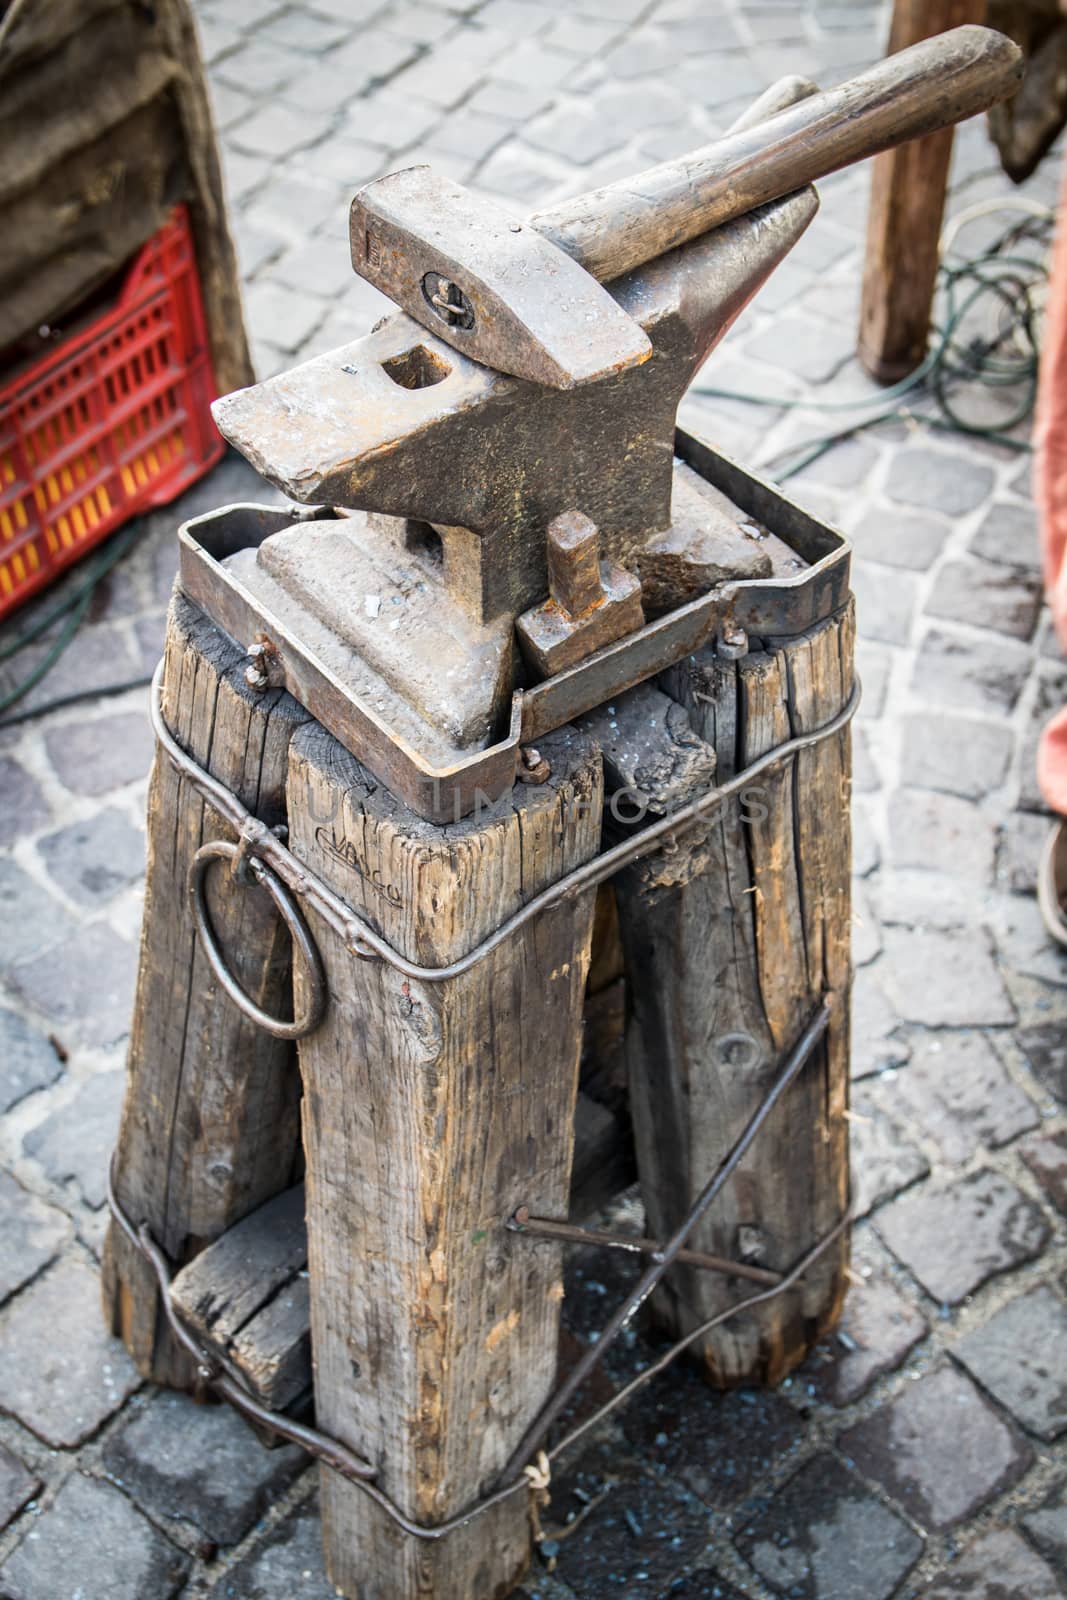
299, 932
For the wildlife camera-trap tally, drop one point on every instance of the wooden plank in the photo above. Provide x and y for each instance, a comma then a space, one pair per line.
908, 188
210, 1126
431, 1113
737, 933
226, 1284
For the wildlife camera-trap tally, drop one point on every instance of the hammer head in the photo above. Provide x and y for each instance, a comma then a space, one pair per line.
506, 296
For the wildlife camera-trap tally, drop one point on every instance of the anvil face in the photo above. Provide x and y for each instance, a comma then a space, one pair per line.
398, 422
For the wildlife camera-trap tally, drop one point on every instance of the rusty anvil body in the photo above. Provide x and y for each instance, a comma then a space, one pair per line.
495, 555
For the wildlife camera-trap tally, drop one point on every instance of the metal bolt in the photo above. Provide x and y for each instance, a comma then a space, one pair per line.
732, 642
534, 768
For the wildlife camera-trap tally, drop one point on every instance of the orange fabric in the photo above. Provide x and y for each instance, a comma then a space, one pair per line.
1050, 489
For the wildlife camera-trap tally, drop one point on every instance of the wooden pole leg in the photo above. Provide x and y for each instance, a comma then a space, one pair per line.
908, 187
432, 1111
211, 1123
736, 936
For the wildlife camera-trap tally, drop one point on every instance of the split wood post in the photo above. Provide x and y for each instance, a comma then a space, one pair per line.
908, 187
211, 1122
433, 1111
737, 935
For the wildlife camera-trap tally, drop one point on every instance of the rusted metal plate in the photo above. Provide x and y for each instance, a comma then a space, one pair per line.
764, 608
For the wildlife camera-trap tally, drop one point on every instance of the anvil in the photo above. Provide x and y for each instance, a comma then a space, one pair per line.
488, 535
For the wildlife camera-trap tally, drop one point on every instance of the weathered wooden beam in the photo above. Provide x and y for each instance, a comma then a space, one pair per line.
432, 1111
246, 1296
908, 187
737, 934
211, 1125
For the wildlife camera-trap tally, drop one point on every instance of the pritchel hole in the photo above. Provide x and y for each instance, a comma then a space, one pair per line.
417, 368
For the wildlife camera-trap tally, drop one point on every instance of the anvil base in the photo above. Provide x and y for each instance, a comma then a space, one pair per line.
320, 592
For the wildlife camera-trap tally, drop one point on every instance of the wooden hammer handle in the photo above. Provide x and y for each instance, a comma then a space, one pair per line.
932, 85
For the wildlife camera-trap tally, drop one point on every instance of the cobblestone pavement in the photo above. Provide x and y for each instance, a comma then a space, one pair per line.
917, 1453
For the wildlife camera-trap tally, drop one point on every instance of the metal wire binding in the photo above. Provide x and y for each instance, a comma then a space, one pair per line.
221, 1377
361, 938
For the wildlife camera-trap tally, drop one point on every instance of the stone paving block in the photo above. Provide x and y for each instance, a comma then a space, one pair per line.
471, 134
97, 657
945, 980
1018, 1357
929, 829
884, 1160
287, 1565
702, 1585
108, 752
998, 1566
865, 776
291, 204
444, 85
959, 1092
875, 1043
517, 174
1008, 534
975, 674
30, 918
866, 850
960, 755
24, 807
873, 664
513, 103
91, 1544
916, 897
898, 538
639, 1534
30, 1235
423, 23
76, 1141
573, 133
953, 1238
846, 465
278, 130
93, 859
1020, 841
1046, 1156
260, 68
938, 480
85, 985
199, 1464
812, 349
825, 1536
1046, 1526
64, 1385
27, 1060
305, 31
878, 1329
866, 934
385, 118
718, 1445
580, 36
1023, 940
885, 602
290, 315
988, 596
939, 1448
17, 1486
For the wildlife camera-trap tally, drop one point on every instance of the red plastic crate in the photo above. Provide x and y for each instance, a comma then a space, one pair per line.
112, 421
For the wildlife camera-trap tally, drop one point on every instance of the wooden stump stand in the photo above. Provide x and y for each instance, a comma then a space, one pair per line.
337, 1212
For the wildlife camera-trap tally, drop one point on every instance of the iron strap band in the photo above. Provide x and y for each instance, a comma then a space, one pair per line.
344, 1461
258, 841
